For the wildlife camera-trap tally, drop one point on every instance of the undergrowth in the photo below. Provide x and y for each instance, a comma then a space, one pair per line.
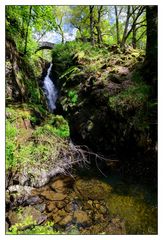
47, 228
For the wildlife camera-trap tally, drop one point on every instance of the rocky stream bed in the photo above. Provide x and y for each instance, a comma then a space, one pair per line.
80, 206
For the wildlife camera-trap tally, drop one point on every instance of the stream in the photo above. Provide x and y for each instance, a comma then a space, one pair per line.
50, 90
84, 205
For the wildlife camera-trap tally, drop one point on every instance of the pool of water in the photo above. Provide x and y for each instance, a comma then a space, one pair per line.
91, 205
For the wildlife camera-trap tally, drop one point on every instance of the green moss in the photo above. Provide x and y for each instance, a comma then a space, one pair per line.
47, 228
20, 145
133, 97
140, 218
56, 125
11, 133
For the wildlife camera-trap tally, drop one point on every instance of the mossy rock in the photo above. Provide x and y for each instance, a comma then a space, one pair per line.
92, 189
140, 218
25, 217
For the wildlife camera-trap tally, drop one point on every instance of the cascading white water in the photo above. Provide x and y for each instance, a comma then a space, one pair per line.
50, 90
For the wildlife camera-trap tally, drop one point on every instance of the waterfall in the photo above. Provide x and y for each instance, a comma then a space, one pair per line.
50, 91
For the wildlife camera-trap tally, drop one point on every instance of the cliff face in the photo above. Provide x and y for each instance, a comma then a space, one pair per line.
106, 103
14, 88
22, 76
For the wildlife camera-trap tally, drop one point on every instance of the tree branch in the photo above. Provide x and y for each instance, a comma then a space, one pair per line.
144, 25
141, 36
134, 22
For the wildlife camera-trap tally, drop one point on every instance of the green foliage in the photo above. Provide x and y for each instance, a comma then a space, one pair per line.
72, 54
47, 228
11, 133
133, 97
22, 24
56, 126
70, 71
32, 145
73, 96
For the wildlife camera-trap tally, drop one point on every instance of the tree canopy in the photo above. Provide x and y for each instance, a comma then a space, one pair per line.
96, 24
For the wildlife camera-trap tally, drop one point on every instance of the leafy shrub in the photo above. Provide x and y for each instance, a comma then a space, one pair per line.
56, 126
11, 133
73, 96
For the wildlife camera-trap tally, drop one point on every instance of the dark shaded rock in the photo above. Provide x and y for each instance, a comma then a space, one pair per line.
115, 78
61, 204
40, 207
110, 228
69, 208
117, 226
30, 201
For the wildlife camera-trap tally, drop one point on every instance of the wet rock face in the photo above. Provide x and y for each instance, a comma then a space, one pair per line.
103, 107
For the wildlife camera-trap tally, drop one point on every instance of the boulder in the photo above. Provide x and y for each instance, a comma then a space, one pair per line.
68, 219
58, 186
51, 206
50, 195
26, 216
81, 217
92, 189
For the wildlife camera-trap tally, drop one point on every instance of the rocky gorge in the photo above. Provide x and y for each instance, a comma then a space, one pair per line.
86, 168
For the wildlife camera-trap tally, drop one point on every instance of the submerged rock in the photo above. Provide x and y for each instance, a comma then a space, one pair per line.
68, 219
92, 189
50, 195
51, 206
81, 217
58, 186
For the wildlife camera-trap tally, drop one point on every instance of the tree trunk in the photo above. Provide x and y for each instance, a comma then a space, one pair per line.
117, 24
26, 35
133, 31
61, 33
151, 48
134, 41
99, 36
124, 38
91, 24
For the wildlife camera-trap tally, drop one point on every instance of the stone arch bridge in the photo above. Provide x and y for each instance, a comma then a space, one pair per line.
45, 45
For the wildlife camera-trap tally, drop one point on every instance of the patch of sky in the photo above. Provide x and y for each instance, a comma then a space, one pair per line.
54, 37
